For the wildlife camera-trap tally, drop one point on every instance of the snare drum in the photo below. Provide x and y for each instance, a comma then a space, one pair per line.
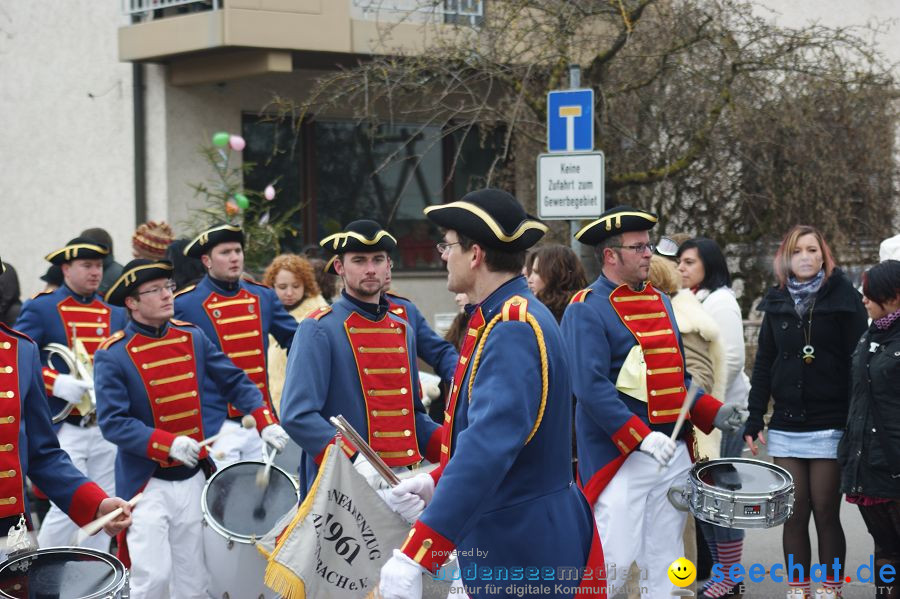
737, 493
236, 512
289, 459
63, 573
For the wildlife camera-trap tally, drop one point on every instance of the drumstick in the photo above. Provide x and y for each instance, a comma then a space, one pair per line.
93, 527
692, 392
262, 477
247, 422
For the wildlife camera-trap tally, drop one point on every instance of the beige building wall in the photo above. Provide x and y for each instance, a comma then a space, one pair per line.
66, 142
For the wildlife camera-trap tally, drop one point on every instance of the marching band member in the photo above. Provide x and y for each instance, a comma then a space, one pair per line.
238, 316
30, 448
630, 383
156, 410
71, 315
357, 358
504, 496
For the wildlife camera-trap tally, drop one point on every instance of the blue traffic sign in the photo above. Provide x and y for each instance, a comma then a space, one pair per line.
570, 120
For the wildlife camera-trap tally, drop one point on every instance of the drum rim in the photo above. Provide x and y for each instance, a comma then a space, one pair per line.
784, 489
118, 567
215, 525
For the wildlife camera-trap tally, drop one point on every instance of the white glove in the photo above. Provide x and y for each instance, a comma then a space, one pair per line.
406, 504
660, 446
420, 484
275, 436
185, 450
69, 388
401, 578
730, 418
368, 472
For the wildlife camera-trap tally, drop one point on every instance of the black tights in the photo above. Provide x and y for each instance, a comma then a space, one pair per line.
816, 492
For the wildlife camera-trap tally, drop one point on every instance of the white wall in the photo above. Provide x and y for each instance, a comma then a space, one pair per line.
65, 117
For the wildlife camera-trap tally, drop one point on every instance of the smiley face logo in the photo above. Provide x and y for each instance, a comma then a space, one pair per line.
682, 572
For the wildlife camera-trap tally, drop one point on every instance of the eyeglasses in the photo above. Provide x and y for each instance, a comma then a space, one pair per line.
170, 287
638, 248
444, 246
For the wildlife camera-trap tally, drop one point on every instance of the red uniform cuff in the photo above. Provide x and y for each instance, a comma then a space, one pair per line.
703, 412
159, 445
263, 417
85, 503
436, 474
426, 547
433, 448
348, 448
630, 435
49, 375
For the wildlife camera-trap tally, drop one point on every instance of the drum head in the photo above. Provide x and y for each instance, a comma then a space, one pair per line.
743, 476
61, 573
236, 504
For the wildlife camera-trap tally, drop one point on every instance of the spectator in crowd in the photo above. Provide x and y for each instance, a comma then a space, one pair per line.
554, 275
869, 451
10, 295
187, 270
53, 278
704, 272
112, 270
329, 284
812, 321
292, 278
151, 240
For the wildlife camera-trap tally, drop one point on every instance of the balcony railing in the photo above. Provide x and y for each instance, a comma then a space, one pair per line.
458, 12
144, 8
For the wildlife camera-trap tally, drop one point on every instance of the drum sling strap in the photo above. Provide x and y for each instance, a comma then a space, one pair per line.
882, 438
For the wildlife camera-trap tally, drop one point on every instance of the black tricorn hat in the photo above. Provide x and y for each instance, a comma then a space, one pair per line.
2, 267
53, 275
616, 221
134, 274
490, 217
360, 236
80, 248
210, 238
329, 266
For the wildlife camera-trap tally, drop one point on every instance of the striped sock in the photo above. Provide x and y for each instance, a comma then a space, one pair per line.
834, 586
714, 555
800, 588
729, 555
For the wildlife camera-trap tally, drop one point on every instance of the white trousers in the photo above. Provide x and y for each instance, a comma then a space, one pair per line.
95, 457
165, 541
638, 524
240, 444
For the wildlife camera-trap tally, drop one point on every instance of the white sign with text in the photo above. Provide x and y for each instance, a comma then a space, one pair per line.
570, 186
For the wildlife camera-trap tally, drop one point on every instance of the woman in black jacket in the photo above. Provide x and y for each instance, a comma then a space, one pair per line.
869, 452
812, 321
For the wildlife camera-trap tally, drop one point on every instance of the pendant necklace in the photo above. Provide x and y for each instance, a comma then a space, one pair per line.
809, 352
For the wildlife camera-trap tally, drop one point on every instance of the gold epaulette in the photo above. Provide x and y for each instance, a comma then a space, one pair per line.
106, 343
44, 292
185, 290
181, 323
580, 296
246, 279
319, 312
393, 293
515, 308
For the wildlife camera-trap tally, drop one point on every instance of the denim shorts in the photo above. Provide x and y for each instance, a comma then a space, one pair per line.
807, 444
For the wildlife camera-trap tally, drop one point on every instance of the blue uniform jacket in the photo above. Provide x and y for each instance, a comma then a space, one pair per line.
123, 407
598, 344
40, 319
40, 456
322, 381
434, 350
506, 499
276, 321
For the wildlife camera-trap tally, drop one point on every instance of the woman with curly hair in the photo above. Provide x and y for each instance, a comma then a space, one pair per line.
292, 278
554, 275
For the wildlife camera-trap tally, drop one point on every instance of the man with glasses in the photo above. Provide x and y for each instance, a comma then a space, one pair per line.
74, 316
151, 378
357, 358
238, 315
629, 379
